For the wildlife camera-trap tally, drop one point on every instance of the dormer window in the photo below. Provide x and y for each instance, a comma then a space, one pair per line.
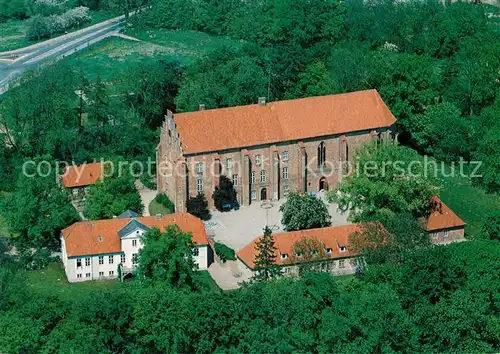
284, 256
99, 239
342, 248
299, 254
314, 252
328, 250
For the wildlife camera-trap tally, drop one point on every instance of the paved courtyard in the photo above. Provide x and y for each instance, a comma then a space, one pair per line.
237, 228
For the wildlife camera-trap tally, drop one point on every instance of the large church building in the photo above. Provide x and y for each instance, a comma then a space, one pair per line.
267, 149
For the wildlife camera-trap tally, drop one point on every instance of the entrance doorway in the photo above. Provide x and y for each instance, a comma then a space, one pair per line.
263, 194
323, 184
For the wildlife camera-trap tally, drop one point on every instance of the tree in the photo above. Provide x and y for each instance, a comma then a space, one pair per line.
198, 206
112, 196
39, 208
442, 132
223, 78
314, 81
491, 226
168, 257
301, 212
265, 259
387, 179
224, 194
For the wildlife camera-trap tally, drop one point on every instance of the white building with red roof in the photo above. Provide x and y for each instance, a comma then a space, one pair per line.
95, 249
443, 225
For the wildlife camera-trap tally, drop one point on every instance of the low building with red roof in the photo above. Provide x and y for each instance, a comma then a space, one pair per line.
443, 225
267, 149
94, 249
325, 249
78, 178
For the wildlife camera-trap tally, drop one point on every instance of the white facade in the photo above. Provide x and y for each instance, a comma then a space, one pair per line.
105, 266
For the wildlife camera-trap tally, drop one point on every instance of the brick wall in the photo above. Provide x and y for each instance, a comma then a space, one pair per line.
447, 235
240, 163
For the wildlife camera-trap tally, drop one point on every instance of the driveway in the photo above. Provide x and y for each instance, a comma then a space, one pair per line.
147, 196
238, 228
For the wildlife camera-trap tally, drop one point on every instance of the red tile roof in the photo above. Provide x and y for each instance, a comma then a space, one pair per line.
82, 238
83, 175
443, 217
332, 237
236, 127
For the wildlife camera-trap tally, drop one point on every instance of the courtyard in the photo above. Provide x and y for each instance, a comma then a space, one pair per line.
237, 228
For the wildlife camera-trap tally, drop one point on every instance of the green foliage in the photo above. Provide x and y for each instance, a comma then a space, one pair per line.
165, 201
45, 23
265, 259
386, 181
38, 209
112, 196
224, 252
301, 212
442, 132
198, 206
226, 77
224, 193
491, 226
168, 257
13, 9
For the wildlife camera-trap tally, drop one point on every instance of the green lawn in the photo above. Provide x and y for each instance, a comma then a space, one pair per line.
471, 203
112, 58
52, 280
157, 208
207, 282
12, 32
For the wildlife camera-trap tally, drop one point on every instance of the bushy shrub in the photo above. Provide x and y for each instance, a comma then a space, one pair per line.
44, 27
167, 203
224, 252
47, 7
198, 206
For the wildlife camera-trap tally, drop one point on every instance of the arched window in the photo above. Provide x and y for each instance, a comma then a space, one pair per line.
321, 154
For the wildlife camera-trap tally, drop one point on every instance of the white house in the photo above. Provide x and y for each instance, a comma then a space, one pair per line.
94, 249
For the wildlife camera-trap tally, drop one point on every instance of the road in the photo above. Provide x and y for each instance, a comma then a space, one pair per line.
14, 63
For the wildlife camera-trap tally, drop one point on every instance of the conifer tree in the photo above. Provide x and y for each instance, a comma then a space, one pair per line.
265, 260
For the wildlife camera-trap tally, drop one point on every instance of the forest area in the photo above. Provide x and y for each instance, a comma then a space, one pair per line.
436, 67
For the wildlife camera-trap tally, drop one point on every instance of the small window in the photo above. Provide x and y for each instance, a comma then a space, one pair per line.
342, 249
298, 254
314, 252
258, 160
199, 185
284, 156
199, 168
286, 189
263, 175
78, 262
101, 274
253, 195
434, 234
87, 275
446, 234
196, 251
134, 258
285, 172
229, 163
87, 262
252, 177
111, 273
284, 256
235, 180
111, 260
101, 259
122, 258
78, 276
329, 250
99, 239
134, 243
341, 263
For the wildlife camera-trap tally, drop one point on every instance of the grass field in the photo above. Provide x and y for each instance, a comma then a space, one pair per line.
13, 32
471, 203
155, 208
52, 280
113, 57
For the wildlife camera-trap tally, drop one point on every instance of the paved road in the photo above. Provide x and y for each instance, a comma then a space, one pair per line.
14, 63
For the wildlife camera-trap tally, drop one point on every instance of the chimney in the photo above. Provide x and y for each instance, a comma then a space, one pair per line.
262, 101
202, 107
